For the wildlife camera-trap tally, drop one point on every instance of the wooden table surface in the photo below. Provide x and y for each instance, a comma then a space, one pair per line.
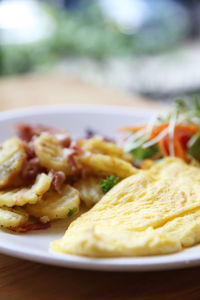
20, 279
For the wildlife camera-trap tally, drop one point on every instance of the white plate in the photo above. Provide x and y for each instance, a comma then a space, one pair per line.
35, 245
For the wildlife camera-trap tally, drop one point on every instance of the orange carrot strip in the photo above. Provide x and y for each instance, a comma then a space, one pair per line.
178, 149
162, 144
132, 128
158, 129
188, 129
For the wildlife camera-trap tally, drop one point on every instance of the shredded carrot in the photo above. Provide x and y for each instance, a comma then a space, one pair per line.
188, 129
163, 146
132, 128
178, 149
158, 129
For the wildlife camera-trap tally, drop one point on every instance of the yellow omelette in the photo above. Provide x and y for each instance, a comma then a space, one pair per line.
155, 211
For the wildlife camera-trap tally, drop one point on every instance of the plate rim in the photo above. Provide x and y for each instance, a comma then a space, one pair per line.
99, 264
98, 108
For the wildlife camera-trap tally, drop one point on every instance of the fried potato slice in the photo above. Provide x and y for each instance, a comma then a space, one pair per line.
51, 154
98, 145
56, 205
108, 164
21, 196
12, 217
12, 157
89, 189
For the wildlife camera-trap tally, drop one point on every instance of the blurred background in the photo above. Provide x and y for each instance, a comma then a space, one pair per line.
147, 47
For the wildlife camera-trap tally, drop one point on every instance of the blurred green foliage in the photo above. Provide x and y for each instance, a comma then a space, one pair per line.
82, 33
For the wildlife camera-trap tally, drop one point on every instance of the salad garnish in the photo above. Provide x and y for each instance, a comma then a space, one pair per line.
174, 134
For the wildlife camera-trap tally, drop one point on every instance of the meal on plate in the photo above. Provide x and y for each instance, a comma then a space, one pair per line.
141, 194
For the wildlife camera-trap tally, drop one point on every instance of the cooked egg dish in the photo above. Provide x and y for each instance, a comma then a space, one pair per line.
152, 212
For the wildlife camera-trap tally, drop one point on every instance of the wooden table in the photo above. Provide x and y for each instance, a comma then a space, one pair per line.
20, 279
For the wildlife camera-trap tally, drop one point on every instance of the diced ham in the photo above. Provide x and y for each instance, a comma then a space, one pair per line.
71, 160
31, 169
27, 132
74, 151
64, 139
57, 181
32, 226
29, 148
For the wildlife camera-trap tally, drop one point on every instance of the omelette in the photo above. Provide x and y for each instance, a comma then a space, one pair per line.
155, 211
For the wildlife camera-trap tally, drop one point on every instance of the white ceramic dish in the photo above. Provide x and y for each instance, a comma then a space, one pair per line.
35, 245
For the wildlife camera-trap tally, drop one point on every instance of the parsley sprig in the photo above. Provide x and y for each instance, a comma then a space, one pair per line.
108, 183
71, 211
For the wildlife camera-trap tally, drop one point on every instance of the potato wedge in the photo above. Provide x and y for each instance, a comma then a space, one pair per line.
98, 145
12, 157
21, 196
110, 165
89, 189
50, 153
56, 205
12, 217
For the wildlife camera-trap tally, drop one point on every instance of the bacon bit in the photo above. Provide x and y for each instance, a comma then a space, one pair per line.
71, 160
57, 181
27, 132
32, 166
39, 128
76, 151
31, 169
32, 226
64, 139
29, 149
